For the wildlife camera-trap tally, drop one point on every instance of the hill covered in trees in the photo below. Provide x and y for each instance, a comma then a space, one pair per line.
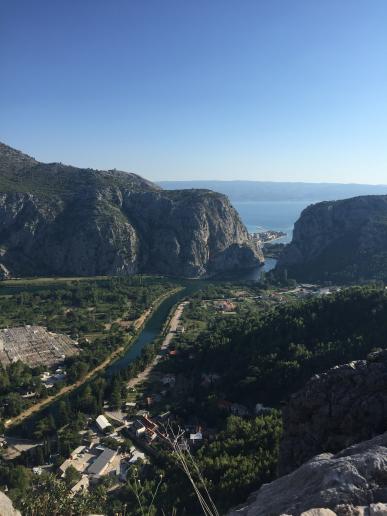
278, 191
264, 356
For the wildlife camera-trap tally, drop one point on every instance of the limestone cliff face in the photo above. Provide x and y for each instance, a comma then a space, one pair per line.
345, 405
333, 454
192, 231
339, 241
350, 483
60, 220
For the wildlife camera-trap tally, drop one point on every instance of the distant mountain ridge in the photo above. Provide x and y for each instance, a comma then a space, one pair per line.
239, 191
57, 219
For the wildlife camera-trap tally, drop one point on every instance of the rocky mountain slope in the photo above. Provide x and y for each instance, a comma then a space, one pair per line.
340, 241
334, 448
61, 220
345, 405
350, 483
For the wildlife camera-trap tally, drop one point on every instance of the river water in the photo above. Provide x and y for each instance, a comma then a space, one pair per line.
152, 327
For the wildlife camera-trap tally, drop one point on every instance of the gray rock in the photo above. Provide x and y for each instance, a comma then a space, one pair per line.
344, 484
378, 509
60, 220
339, 240
345, 405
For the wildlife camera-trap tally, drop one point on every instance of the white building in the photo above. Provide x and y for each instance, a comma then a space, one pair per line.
102, 423
136, 455
196, 437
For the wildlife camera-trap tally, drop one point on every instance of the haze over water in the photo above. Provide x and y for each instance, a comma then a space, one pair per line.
274, 215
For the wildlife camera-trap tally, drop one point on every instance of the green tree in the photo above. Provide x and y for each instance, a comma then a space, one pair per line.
72, 476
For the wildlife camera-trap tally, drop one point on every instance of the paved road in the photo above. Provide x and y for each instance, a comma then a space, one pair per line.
144, 375
173, 325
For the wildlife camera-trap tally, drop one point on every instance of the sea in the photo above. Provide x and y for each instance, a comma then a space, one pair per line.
275, 215
264, 215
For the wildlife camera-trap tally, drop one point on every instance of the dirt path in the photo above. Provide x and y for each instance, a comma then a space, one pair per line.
146, 373
65, 390
69, 388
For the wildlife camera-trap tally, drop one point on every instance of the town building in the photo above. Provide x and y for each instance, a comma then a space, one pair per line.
225, 306
81, 485
102, 423
100, 466
195, 438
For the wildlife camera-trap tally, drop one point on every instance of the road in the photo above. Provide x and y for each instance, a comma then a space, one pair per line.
65, 390
37, 407
147, 372
173, 325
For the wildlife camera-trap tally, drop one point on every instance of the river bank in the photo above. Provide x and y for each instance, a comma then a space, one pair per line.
153, 326
173, 324
138, 325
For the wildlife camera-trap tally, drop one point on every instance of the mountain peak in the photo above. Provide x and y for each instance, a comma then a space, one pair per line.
22, 173
14, 159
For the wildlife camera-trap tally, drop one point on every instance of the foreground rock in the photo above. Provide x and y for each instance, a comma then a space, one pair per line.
339, 241
61, 220
350, 483
6, 506
345, 405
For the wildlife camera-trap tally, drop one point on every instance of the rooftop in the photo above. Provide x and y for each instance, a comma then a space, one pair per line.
102, 422
99, 465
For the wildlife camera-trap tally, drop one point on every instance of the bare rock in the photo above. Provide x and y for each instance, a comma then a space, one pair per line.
345, 405
352, 482
6, 506
339, 241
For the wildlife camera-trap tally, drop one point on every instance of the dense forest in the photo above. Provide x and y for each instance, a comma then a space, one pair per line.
266, 355
78, 307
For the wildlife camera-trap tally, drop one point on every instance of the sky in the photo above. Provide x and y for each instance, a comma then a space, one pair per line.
282, 90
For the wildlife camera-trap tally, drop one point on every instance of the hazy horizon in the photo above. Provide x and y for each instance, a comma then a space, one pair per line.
266, 181
259, 91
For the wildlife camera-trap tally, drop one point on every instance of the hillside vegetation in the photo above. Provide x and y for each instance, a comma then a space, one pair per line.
266, 357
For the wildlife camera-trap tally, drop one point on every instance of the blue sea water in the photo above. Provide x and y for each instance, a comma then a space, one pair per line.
264, 215
275, 215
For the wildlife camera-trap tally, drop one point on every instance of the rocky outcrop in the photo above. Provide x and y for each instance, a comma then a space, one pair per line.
60, 220
335, 409
339, 241
343, 409
350, 483
6, 506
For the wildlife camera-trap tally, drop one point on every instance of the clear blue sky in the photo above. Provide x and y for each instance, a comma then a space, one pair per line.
195, 89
